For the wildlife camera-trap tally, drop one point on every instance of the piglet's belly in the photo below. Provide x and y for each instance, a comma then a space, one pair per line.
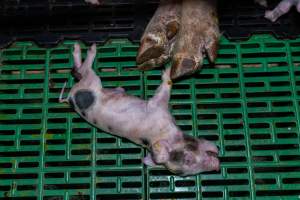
124, 117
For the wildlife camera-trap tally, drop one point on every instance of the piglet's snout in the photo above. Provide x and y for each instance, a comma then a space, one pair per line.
211, 161
215, 163
210, 153
206, 145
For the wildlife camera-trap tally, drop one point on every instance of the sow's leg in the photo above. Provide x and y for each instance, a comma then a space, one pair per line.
198, 36
159, 35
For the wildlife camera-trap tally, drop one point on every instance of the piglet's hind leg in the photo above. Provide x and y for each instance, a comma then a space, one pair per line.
83, 71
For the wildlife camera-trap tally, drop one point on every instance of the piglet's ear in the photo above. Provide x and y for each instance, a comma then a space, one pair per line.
149, 161
160, 151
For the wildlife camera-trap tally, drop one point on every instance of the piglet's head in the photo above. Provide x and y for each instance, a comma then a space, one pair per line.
187, 156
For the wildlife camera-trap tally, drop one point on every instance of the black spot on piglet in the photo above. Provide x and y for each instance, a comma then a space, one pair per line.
191, 143
71, 102
145, 142
176, 156
84, 99
109, 128
94, 121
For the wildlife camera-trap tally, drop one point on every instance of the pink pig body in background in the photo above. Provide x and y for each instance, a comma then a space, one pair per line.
147, 123
93, 2
282, 8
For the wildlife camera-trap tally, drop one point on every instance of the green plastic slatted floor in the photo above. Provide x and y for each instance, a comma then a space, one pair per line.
248, 105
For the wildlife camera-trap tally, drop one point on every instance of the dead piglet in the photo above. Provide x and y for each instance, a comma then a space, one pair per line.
148, 123
282, 8
198, 35
159, 35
